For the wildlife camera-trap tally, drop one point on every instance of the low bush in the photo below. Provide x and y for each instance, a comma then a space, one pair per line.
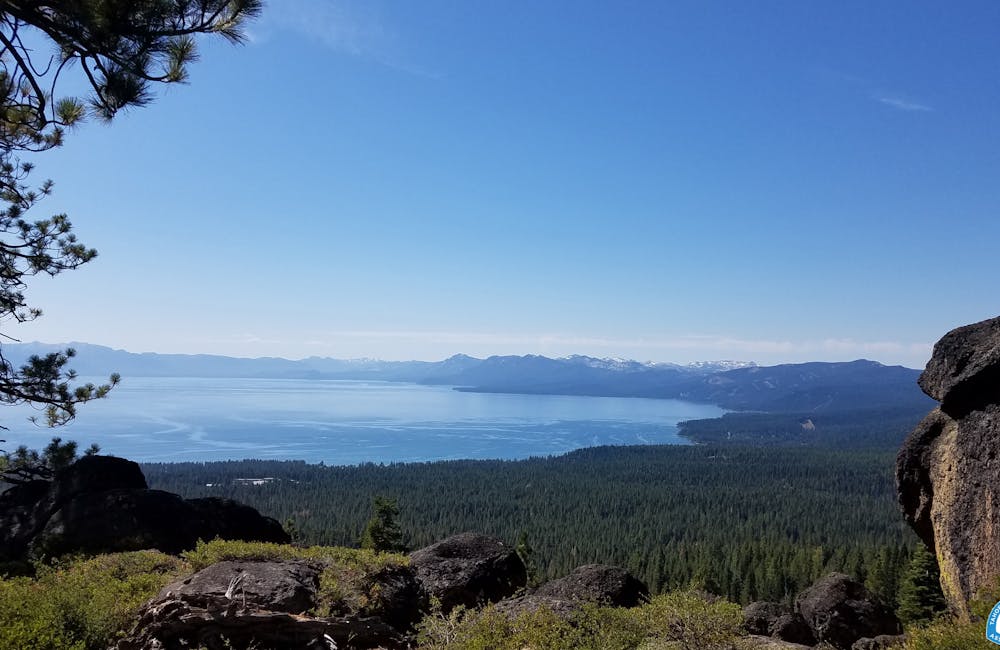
368, 561
676, 621
81, 604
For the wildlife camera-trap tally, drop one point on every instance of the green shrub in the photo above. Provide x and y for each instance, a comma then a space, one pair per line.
368, 561
81, 604
677, 621
948, 633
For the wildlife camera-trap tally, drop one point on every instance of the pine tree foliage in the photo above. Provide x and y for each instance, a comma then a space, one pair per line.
382, 533
24, 465
920, 597
118, 49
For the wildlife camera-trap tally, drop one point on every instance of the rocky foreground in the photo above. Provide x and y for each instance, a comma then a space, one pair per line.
280, 604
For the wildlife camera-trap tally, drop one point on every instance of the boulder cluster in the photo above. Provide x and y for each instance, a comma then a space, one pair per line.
836, 611
102, 504
948, 471
278, 603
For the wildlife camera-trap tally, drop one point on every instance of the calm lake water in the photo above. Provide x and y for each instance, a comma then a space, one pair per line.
348, 422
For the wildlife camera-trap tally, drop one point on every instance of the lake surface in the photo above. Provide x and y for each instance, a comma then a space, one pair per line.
349, 422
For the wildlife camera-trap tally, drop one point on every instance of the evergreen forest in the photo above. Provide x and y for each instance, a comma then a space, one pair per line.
745, 522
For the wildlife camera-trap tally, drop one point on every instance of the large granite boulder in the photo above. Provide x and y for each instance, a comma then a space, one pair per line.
948, 470
592, 583
597, 583
101, 504
469, 569
776, 620
288, 586
253, 604
839, 611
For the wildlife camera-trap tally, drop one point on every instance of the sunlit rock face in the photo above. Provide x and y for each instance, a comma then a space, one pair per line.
948, 473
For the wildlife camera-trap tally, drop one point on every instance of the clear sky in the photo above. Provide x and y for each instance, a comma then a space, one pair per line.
671, 181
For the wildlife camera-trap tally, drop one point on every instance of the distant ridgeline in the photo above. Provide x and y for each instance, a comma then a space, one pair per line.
806, 387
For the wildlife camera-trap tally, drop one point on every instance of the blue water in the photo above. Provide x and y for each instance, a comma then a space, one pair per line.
348, 422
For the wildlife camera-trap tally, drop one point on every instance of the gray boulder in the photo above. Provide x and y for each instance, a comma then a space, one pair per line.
592, 583
469, 569
288, 587
252, 604
839, 611
597, 583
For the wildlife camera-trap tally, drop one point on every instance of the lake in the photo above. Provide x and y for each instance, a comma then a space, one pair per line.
348, 422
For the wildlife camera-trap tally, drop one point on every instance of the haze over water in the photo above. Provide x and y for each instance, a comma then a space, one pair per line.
349, 422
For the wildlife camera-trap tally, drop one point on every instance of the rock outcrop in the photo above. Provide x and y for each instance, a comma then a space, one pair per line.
469, 569
948, 471
592, 583
254, 604
839, 611
102, 504
775, 620
597, 583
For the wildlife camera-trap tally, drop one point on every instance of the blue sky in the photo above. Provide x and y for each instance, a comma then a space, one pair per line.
769, 181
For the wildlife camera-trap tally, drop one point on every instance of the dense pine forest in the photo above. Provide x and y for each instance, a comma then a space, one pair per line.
748, 523
871, 428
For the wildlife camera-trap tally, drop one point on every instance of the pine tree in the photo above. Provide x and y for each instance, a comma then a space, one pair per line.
120, 49
382, 533
920, 597
527, 555
24, 465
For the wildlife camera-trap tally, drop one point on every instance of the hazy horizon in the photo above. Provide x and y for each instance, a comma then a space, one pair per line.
464, 352
778, 182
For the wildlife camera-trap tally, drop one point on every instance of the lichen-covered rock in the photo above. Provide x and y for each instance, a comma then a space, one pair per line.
948, 470
288, 586
469, 569
839, 611
239, 605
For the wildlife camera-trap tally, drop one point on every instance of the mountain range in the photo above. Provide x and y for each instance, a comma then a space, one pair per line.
815, 386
